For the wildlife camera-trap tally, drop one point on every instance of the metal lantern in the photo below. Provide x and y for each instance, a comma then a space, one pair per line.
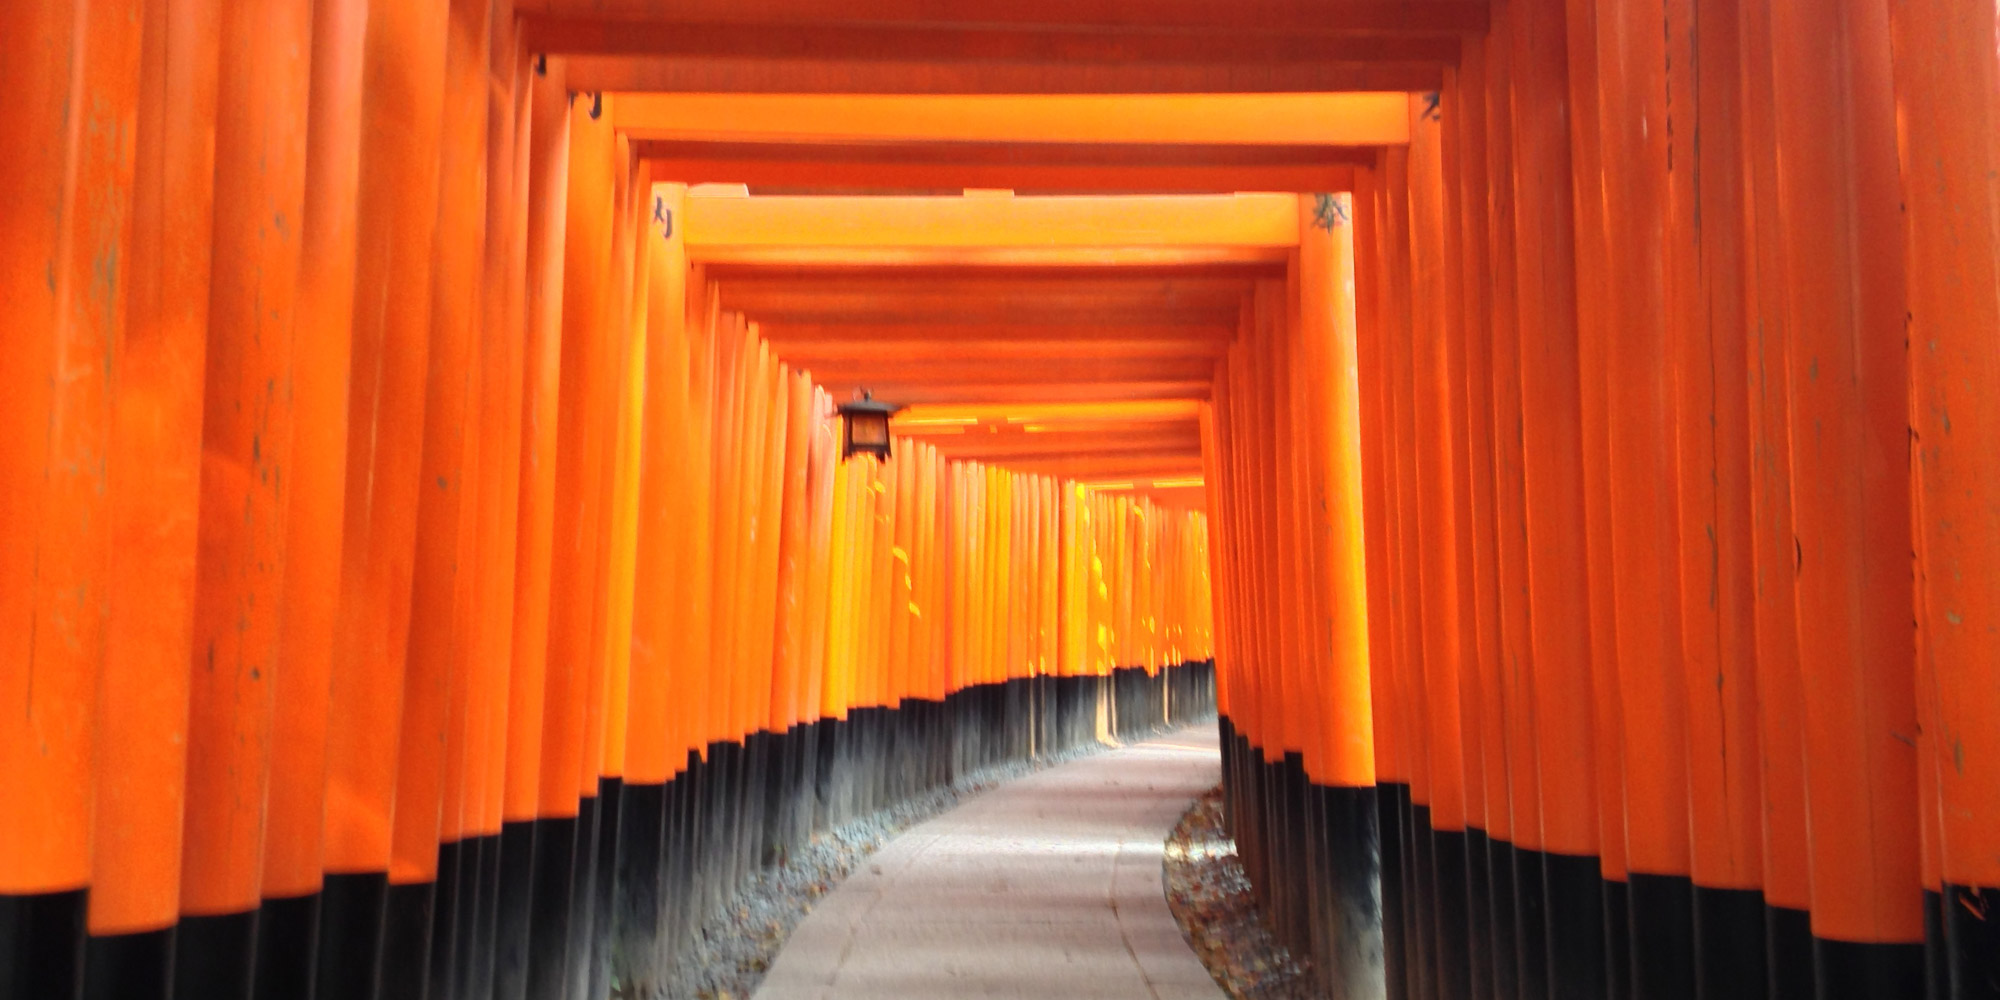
867, 427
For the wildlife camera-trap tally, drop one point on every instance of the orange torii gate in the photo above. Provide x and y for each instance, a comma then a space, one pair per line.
422, 551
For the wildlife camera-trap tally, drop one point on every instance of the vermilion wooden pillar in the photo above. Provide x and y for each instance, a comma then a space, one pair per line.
1945, 59
1644, 539
1488, 831
1391, 773
1327, 335
491, 605
1410, 673
401, 110
437, 674
65, 226
582, 427
1706, 315
664, 537
154, 491
1787, 887
546, 184
1594, 339
1463, 289
1553, 477
1850, 491
1508, 689
265, 56
315, 496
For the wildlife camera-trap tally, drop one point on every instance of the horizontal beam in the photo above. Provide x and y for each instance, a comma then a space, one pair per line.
1247, 222
1054, 436
619, 74
799, 353
1029, 169
1193, 497
886, 313
853, 177
1273, 16
1134, 468
935, 286
1287, 128
986, 371
983, 44
1160, 463
834, 274
1013, 256
1021, 393
1207, 303
985, 446
803, 338
1055, 414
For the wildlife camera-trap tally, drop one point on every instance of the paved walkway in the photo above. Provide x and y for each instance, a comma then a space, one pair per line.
1048, 886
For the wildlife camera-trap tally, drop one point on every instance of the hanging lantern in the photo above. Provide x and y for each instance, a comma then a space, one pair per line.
867, 427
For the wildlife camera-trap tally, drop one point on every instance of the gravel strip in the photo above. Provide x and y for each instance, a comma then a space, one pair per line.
732, 952
1211, 899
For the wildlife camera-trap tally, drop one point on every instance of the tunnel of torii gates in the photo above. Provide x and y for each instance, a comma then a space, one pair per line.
427, 568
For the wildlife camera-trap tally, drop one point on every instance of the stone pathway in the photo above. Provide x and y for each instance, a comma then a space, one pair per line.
1049, 886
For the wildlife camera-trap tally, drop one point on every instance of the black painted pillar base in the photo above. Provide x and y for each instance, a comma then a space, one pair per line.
511, 944
549, 908
41, 945
1971, 940
1573, 892
287, 947
1502, 903
1661, 910
1355, 961
1454, 980
1391, 801
351, 912
1618, 939
127, 966
1848, 970
406, 941
1531, 935
1482, 940
1729, 944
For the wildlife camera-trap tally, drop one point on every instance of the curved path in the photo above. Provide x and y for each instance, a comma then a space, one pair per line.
1048, 886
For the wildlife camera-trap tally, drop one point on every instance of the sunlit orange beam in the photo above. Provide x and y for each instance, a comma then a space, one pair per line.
906, 424
1135, 469
1017, 369
1056, 435
1107, 224
792, 336
793, 39
975, 445
1055, 413
995, 394
837, 76
996, 257
1355, 16
806, 353
851, 175
1345, 119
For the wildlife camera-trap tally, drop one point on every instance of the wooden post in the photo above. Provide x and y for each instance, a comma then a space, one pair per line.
139, 776
315, 499
1849, 426
66, 197
1643, 537
260, 175
1947, 77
